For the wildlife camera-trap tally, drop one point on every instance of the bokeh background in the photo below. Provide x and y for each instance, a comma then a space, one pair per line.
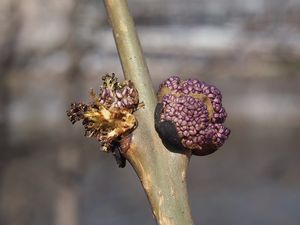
53, 52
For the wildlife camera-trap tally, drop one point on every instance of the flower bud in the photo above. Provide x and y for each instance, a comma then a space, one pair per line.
190, 115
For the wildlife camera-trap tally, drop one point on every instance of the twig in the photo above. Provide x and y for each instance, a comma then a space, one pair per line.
162, 172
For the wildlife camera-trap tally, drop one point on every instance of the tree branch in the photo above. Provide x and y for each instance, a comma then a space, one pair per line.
162, 172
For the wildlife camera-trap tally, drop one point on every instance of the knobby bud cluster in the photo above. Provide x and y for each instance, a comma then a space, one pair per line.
192, 111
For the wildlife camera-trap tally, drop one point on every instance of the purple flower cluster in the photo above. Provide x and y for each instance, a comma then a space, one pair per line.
110, 114
197, 112
113, 96
118, 95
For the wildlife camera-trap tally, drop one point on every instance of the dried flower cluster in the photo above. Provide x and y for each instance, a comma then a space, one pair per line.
109, 116
195, 108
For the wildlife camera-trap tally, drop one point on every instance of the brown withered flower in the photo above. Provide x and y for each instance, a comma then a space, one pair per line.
109, 116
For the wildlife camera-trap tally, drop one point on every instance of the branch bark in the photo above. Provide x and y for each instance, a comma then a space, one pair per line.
162, 172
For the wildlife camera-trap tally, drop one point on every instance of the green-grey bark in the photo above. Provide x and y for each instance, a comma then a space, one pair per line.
162, 172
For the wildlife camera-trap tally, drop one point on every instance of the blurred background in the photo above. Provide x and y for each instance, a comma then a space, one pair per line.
53, 52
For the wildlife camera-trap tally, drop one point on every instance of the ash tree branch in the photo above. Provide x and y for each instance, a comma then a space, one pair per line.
161, 172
